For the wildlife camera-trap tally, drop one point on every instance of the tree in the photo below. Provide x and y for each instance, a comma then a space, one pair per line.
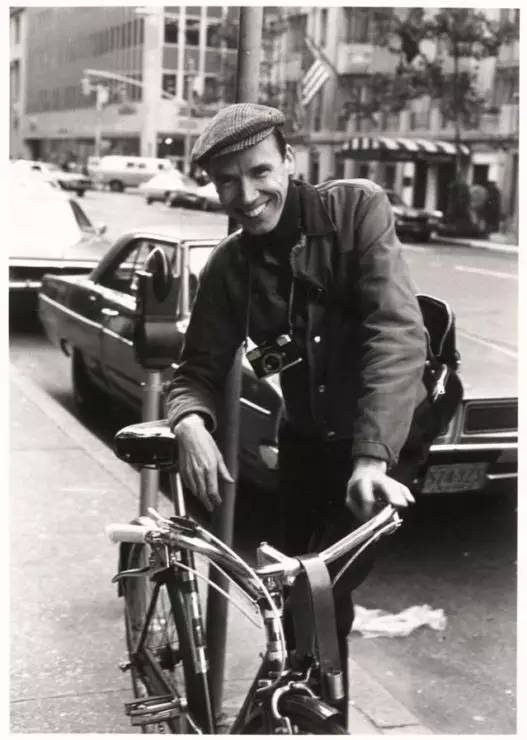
437, 55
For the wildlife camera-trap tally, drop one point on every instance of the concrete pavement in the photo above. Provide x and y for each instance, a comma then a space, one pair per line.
66, 627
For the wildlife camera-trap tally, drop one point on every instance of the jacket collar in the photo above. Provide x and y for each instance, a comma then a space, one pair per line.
316, 222
315, 219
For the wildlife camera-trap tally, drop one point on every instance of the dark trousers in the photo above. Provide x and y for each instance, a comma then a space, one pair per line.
313, 479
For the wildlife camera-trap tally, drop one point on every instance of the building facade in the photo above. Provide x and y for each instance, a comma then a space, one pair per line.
414, 150
163, 70
17, 81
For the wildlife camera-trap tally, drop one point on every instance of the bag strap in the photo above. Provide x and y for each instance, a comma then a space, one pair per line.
313, 612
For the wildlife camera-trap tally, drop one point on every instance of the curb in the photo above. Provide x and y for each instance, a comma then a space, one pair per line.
371, 708
475, 244
370, 704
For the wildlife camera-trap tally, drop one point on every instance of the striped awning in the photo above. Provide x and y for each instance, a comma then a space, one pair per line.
400, 149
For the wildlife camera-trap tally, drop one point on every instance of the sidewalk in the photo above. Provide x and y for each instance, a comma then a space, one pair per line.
67, 635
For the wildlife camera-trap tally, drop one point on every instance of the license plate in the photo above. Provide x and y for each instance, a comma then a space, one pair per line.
455, 477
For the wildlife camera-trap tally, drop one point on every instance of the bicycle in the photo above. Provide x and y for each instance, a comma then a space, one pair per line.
295, 691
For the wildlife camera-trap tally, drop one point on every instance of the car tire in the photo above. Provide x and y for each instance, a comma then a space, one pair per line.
149, 201
425, 236
168, 200
87, 397
116, 186
80, 192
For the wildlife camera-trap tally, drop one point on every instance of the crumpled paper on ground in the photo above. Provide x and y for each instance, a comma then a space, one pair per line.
380, 623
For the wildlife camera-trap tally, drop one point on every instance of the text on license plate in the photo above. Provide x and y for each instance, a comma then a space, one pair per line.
455, 477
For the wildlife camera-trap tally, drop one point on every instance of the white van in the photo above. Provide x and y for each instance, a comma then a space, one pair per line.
120, 172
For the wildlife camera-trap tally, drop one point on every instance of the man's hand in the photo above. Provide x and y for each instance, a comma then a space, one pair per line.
200, 461
369, 483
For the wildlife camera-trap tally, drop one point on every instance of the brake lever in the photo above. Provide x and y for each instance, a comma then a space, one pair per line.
132, 572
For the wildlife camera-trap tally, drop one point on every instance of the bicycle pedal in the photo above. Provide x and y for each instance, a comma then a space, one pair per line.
154, 709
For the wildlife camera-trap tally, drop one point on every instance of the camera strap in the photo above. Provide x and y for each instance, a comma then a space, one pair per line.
290, 303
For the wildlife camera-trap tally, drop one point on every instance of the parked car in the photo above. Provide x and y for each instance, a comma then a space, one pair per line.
171, 187
184, 194
415, 223
118, 171
91, 318
74, 181
209, 200
49, 231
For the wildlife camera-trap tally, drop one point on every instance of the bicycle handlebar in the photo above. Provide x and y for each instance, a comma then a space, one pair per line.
201, 541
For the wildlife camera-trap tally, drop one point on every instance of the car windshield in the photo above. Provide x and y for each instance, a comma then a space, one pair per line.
395, 199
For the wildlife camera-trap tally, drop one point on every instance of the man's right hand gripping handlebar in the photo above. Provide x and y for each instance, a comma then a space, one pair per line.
200, 461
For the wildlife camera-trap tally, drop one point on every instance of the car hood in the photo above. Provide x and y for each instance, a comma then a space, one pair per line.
30, 248
487, 373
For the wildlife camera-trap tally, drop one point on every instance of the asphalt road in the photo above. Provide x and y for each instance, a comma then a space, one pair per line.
457, 553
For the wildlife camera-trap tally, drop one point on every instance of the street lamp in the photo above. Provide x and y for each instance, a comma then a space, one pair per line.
101, 98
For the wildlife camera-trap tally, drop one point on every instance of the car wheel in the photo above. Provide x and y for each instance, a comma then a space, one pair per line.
169, 200
116, 186
80, 192
87, 397
425, 236
149, 201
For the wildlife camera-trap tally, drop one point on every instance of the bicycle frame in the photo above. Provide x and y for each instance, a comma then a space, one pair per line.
174, 542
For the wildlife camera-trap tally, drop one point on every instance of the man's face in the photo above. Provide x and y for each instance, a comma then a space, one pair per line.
252, 184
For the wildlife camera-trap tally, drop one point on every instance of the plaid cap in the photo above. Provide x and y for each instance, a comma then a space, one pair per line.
234, 129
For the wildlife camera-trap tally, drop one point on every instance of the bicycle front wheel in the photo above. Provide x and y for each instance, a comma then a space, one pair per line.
161, 647
307, 716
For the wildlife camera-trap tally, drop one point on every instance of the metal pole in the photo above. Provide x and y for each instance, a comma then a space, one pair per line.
249, 43
152, 389
98, 120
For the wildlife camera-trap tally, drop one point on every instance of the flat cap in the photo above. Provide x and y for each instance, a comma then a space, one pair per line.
234, 129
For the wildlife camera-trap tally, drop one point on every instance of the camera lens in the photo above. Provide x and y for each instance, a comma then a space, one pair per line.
272, 362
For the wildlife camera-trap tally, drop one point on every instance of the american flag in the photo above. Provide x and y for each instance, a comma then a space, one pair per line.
315, 77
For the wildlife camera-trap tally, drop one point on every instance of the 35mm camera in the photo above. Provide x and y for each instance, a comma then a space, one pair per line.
274, 357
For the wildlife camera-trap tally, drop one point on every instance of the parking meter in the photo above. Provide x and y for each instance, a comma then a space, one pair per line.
157, 345
156, 342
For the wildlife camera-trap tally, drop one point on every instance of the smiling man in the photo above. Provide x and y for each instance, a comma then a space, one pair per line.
316, 278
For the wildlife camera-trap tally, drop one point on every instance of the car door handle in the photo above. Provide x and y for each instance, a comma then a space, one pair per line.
109, 312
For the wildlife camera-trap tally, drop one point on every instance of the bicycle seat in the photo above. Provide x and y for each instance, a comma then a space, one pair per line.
150, 443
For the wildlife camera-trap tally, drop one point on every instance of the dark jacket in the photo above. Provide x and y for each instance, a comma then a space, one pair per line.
366, 345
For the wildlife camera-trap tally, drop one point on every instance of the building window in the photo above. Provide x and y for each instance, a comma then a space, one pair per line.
15, 80
231, 25
317, 112
171, 31
357, 25
214, 35
297, 33
211, 89
323, 27
338, 167
169, 83
139, 33
419, 119
135, 93
192, 32
15, 25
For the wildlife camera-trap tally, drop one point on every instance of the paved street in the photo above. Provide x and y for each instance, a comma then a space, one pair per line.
456, 553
